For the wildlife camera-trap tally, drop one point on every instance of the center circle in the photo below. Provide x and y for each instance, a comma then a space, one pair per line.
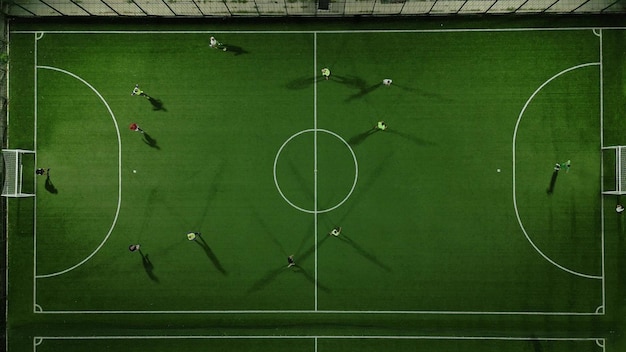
301, 157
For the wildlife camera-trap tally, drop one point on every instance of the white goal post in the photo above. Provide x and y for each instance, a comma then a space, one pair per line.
620, 171
13, 172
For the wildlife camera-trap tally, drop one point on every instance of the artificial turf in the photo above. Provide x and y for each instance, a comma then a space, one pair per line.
440, 213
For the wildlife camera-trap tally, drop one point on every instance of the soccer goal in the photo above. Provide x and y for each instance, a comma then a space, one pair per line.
14, 171
617, 155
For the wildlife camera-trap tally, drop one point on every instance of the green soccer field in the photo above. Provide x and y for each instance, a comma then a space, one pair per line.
453, 217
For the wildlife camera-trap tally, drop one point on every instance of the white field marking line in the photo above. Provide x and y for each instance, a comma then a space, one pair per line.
323, 337
304, 311
6, 207
315, 159
38, 340
519, 220
599, 34
320, 31
35, 108
368, 312
356, 167
119, 195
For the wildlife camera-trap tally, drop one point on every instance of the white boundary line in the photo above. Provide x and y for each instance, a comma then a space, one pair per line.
316, 310
369, 312
315, 213
602, 168
326, 337
6, 202
37, 34
322, 31
517, 215
119, 172
600, 341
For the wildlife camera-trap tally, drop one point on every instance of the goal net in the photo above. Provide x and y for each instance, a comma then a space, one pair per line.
14, 171
615, 157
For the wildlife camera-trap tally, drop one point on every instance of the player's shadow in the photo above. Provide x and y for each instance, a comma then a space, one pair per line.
303, 82
368, 183
537, 347
423, 93
305, 185
299, 270
351, 81
273, 274
411, 138
266, 279
151, 142
50, 186
367, 255
555, 174
157, 104
236, 50
209, 253
361, 137
148, 267
363, 92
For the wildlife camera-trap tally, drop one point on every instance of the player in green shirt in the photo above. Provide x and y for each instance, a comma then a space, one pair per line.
326, 73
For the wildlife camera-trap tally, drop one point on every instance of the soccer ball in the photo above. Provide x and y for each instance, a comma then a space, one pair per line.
224, 49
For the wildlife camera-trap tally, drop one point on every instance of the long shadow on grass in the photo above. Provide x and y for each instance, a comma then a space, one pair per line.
49, 185
366, 254
216, 262
350, 81
361, 137
151, 142
236, 50
268, 231
411, 138
157, 104
305, 185
423, 93
184, 218
148, 267
299, 270
555, 174
363, 92
367, 184
537, 347
303, 82
216, 183
273, 274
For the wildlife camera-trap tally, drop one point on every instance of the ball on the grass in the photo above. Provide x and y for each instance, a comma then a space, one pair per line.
224, 49
499, 170
134, 171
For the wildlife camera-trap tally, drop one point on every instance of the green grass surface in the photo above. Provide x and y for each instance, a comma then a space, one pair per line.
431, 243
